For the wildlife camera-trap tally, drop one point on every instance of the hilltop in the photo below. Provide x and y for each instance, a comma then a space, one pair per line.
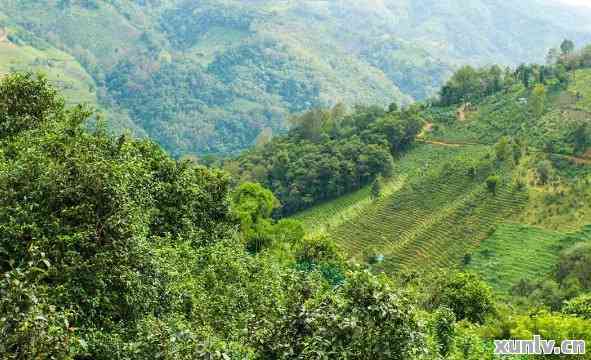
208, 77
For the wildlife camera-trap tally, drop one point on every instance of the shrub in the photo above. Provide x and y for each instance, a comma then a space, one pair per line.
466, 295
492, 183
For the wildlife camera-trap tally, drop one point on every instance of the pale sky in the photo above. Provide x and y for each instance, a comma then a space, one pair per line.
577, 2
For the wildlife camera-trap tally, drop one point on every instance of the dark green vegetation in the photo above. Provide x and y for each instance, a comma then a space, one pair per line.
328, 153
207, 77
110, 249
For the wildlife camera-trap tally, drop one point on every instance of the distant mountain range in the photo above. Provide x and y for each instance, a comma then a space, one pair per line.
206, 77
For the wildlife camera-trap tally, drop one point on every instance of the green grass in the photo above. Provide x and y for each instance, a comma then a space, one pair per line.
329, 215
445, 237
515, 252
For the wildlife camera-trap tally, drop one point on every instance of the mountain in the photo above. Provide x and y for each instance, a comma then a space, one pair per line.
207, 77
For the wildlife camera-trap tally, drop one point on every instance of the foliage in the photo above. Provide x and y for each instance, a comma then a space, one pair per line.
365, 318
328, 153
551, 326
444, 329
492, 182
573, 265
537, 100
579, 306
252, 202
26, 102
30, 324
208, 77
469, 85
376, 188
466, 295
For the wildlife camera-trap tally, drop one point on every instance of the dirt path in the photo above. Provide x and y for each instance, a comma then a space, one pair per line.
447, 143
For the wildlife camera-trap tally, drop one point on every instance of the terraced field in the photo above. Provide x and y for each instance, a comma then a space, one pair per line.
456, 229
432, 214
329, 216
431, 222
517, 251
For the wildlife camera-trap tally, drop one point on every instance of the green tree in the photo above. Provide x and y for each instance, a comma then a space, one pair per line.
579, 306
503, 149
573, 265
381, 323
466, 295
376, 188
492, 184
27, 102
544, 171
252, 202
444, 330
580, 133
567, 47
538, 100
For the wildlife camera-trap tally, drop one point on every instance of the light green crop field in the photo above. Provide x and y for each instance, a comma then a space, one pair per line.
425, 218
515, 252
327, 216
582, 84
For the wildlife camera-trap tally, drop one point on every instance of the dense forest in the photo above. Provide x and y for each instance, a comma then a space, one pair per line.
328, 153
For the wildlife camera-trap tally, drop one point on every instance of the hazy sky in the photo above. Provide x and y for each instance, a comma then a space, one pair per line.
577, 2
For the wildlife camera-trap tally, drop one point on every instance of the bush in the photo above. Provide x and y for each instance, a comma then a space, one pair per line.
492, 183
466, 295
579, 306
27, 102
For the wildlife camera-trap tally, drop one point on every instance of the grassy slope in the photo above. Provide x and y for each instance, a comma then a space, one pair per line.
326, 216
429, 222
436, 221
427, 219
65, 72
504, 115
582, 85
62, 69
517, 251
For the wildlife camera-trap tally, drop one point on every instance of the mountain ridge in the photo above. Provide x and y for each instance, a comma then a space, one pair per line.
228, 70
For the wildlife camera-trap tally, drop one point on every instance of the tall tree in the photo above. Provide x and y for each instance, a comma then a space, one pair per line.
567, 47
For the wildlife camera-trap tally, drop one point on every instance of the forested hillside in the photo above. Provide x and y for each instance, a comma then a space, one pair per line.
208, 77
112, 249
